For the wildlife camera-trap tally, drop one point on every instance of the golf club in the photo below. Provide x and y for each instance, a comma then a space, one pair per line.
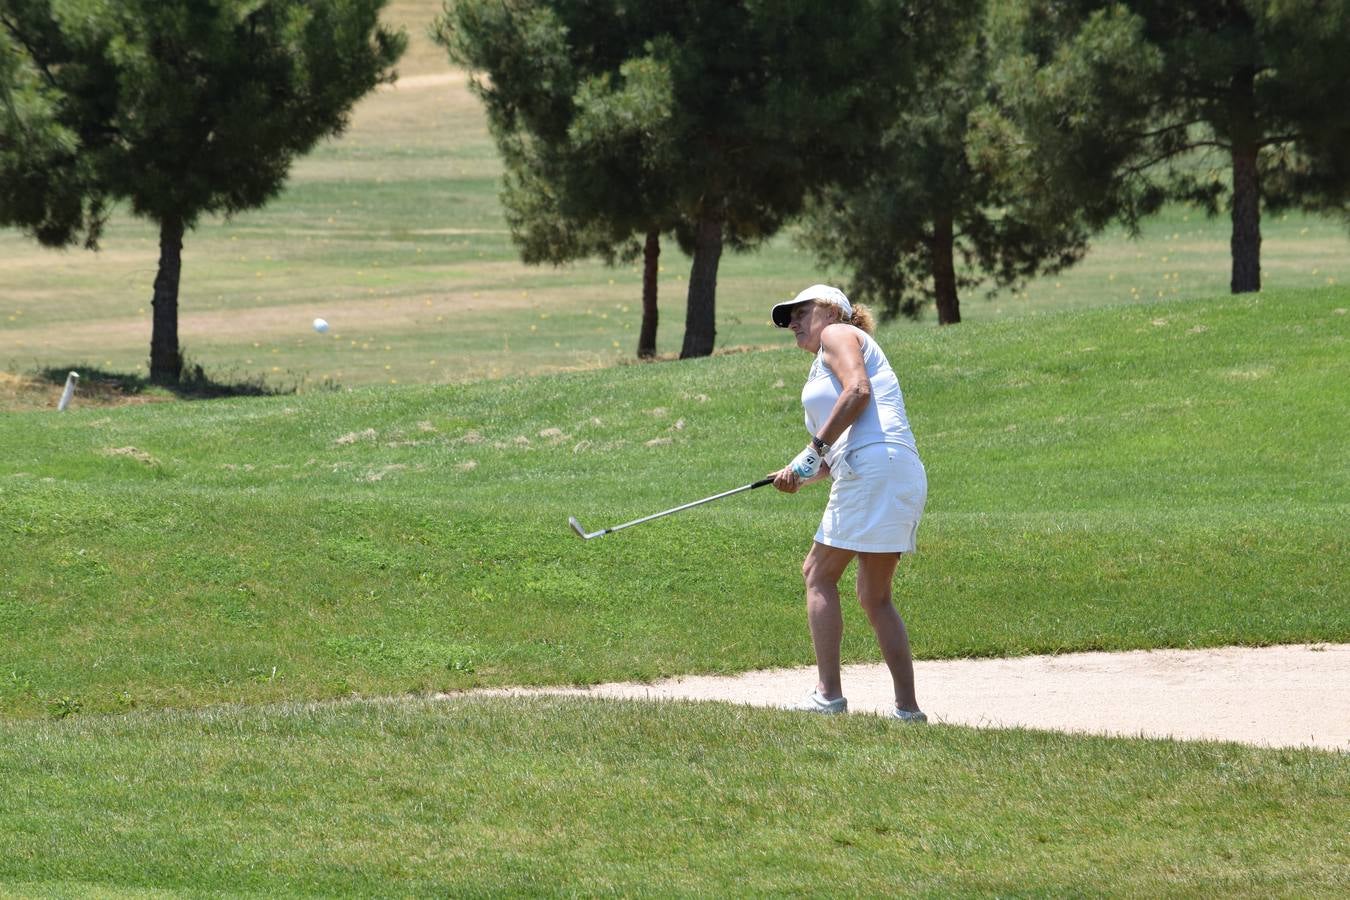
585, 535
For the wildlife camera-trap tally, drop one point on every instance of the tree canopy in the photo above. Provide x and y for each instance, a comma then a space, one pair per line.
585, 170
180, 108
724, 113
925, 223
1118, 107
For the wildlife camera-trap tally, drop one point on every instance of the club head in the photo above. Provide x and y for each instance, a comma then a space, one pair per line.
576, 526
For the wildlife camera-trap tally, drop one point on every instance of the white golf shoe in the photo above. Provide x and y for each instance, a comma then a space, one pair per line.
815, 703
905, 715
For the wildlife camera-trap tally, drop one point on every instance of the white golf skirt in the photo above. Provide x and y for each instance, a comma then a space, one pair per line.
876, 500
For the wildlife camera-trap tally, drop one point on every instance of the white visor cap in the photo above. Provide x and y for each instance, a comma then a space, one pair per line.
782, 312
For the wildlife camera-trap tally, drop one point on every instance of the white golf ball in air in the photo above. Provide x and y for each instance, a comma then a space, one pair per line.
321, 325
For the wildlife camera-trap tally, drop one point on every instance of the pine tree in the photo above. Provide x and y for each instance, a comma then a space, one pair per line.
580, 136
180, 108
925, 223
1120, 107
761, 103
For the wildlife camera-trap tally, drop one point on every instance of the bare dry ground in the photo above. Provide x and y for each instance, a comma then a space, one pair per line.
25, 392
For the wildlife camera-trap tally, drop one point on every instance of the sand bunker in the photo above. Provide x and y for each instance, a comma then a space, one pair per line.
1284, 696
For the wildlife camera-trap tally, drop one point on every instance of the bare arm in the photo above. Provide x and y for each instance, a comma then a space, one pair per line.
843, 354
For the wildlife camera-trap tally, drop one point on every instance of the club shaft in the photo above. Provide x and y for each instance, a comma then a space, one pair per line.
744, 487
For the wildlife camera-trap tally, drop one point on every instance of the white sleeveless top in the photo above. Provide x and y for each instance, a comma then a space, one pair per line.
883, 421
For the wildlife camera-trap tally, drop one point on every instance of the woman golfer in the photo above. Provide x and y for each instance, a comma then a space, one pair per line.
860, 438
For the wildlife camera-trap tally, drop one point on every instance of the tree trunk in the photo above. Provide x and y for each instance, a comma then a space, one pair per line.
944, 272
1246, 239
166, 363
700, 321
647, 336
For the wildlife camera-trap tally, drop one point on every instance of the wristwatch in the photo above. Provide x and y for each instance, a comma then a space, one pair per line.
821, 447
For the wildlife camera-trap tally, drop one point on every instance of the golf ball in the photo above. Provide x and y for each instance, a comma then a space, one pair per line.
321, 325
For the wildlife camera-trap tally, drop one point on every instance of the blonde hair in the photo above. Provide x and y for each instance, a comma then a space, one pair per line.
862, 316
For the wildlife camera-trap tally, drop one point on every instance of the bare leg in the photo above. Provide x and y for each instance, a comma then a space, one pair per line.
823, 568
875, 571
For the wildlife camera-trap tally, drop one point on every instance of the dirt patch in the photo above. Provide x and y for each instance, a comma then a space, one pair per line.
132, 453
353, 436
433, 80
20, 393
1283, 696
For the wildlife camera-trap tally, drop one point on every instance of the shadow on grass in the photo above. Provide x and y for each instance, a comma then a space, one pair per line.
194, 384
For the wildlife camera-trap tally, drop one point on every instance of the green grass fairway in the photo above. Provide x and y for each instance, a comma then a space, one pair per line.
1170, 475
567, 798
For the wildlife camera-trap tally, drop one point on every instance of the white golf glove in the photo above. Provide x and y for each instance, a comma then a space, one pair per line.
806, 464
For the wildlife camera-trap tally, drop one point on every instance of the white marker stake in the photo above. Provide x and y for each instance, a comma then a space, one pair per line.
69, 392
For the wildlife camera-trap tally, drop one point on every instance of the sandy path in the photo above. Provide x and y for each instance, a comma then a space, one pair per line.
1285, 696
433, 80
